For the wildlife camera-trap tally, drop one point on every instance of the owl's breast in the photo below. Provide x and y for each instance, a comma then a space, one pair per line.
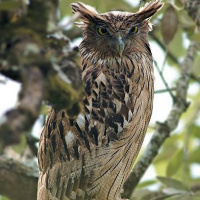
117, 92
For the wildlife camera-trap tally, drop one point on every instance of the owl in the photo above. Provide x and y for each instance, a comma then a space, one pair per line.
90, 156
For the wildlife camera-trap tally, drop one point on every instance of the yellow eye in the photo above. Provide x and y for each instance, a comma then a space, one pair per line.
102, 31
134, 29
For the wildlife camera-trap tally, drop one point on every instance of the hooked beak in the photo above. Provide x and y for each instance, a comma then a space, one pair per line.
120, 46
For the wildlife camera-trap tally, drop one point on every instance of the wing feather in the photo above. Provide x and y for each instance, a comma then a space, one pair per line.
89, 157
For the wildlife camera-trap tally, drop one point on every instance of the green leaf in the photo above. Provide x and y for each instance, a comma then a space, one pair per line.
185, 19
194, 37
173, 183
4, 198
175, 163
19, 148
10, 5
194, 156
179, 3
176, 45
168, 148
196, 131
44, 109
146, 183
160, 167
196, 65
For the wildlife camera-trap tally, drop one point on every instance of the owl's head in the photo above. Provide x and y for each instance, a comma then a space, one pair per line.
114, 34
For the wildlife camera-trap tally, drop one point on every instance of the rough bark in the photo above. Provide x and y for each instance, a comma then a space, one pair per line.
17, 180
38, 62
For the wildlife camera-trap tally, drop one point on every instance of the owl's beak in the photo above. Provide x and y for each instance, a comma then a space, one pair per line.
120, 46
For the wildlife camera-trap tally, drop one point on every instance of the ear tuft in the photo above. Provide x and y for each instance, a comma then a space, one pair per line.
149, 9
87, 13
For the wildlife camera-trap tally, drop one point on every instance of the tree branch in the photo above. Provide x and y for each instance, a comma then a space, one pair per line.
21, 119
17, 180
158, 41
163, 130
163, 80
47, 74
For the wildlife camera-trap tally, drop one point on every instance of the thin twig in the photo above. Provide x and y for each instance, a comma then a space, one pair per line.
164, 90
163, 79
164, 61
157, 40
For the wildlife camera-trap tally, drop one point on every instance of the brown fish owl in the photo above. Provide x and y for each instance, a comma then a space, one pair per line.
90, 157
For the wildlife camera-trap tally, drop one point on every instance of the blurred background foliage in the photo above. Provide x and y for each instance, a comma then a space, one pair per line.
175, 172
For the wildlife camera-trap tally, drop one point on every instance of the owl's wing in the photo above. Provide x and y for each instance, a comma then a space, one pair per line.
73, 153
66, 146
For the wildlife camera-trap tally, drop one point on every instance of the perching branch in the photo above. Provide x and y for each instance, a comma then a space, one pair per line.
163, 130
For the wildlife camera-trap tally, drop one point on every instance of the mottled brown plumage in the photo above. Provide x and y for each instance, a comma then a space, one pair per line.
89, 158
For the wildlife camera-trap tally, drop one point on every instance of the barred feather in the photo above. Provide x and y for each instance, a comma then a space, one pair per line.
89, 158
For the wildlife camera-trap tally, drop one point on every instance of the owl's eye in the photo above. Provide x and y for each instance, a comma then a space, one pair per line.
102, 31
134, 29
